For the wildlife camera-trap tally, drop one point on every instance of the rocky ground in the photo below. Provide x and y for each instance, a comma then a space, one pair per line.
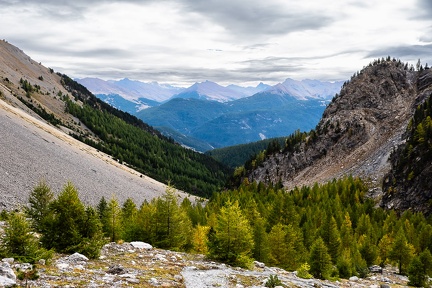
137, 264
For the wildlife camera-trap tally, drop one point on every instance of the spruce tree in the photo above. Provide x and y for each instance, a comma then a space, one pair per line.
320, 260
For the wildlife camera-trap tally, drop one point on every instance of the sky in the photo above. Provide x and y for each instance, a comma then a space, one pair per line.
226, 41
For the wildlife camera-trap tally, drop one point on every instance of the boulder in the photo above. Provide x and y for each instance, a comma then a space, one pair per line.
77, 257
117, 269
259, 264
8, 260
141, 245
6, 271
375, 269
7, 282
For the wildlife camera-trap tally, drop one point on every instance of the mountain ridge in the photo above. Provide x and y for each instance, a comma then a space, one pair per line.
357, 134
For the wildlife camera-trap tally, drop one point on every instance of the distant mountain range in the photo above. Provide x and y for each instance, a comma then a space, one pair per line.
207, 115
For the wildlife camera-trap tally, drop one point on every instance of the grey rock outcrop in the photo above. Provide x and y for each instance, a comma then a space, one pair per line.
356, 134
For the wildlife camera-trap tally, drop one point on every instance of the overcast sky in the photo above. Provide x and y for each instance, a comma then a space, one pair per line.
226, 41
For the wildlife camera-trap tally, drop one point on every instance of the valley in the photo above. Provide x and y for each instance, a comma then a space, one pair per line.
337, 222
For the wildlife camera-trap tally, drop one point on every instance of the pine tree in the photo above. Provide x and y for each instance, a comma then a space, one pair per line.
146, 222
384, 247
367, 249
278, 248
173, 229
199, 239
320, 260
346, 232
40, 199
72, 227
68, 217
92, 234
260, 237
113, 220
233, 236
128, 221
330, 235
401, 251
416, 274
102, 210
19, 242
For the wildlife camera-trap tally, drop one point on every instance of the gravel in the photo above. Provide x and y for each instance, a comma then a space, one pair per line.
31, 150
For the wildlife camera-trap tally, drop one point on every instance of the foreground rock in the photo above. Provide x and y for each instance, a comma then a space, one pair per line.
138, 265
7, 275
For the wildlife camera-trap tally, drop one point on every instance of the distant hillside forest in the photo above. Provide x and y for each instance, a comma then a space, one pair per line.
138, 145
235, 156
326, 231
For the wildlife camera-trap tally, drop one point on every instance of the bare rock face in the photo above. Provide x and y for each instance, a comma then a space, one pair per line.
356, 134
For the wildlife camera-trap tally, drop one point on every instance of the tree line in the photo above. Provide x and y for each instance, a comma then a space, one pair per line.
325, 231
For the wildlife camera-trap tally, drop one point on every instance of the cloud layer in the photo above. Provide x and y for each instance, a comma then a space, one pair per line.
236, 41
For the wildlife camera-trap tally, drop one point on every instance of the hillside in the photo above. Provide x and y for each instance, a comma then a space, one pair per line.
407, 185
358, 130
258, 117
36, 95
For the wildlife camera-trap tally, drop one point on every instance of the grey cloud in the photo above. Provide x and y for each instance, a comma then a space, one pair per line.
406, 53
424, 9
256, 17
241, 18
31, 46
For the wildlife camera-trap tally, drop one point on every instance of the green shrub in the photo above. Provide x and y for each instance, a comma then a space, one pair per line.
273, 281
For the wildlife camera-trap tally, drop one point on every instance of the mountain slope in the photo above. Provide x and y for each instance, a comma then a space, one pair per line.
46, 95
408, 184
356, 134
183, 115
32, 151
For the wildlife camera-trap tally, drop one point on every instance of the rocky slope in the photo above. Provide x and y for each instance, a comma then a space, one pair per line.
408, 184
32, 150
137, 264
358, 130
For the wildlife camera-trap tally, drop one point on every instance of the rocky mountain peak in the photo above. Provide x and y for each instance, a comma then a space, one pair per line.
356, 134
